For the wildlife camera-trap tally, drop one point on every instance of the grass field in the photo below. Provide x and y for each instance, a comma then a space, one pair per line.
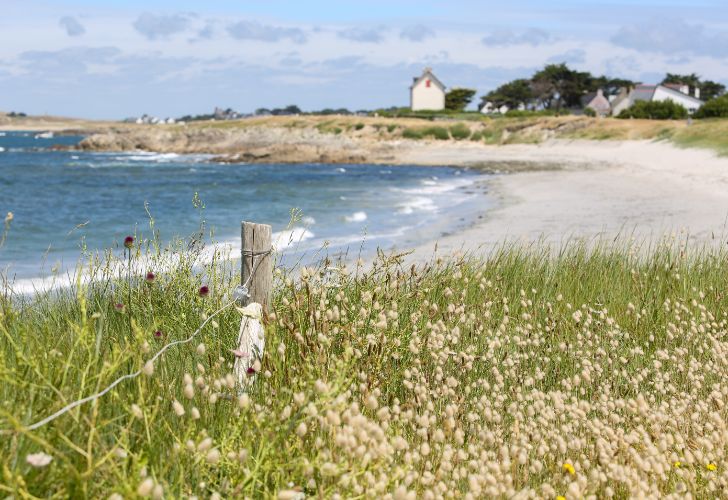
587, 372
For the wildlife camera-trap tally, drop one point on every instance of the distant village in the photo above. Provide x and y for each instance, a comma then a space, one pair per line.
581, 93
554, 89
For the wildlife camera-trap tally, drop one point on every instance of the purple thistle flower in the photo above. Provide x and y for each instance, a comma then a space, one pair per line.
119, 307
129, 241
204, 291
250, 370
158, 334
149, 278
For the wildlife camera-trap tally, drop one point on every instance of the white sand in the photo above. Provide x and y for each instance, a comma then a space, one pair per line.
606, 189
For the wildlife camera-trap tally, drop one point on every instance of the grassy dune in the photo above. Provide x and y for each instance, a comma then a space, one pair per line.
711, 134
588, 372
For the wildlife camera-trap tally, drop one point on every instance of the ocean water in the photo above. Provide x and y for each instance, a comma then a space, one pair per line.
64, 201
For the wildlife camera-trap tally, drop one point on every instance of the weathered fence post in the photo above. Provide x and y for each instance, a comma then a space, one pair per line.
257, 277
257, 260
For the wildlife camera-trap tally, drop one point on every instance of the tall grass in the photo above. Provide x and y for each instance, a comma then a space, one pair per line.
591, 371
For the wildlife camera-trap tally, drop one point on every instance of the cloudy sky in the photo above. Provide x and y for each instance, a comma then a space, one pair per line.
119, 58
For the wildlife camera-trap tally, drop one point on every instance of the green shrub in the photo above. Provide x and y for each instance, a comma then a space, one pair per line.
439, 133
655, 110
460, 131
477, 136
391, 128
590, 112
715, 108
412, 133
359, 126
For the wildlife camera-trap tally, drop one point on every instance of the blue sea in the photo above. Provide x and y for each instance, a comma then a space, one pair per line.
66, 201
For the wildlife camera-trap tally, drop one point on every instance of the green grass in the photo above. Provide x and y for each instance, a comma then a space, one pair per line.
489, 374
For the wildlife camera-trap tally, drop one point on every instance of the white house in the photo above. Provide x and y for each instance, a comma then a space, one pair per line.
427, 92
679, 94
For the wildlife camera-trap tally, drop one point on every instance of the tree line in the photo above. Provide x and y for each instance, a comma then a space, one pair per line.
556, 87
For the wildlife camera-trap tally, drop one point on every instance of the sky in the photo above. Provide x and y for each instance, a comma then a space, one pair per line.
114, 59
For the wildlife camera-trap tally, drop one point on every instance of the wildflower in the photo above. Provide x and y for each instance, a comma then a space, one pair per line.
301, 430
567, 467
148, 368
711, 467
677, 464
213, 456
205, 444
39, 459
9, 218
254, 368
158, 492
195, 413
119, 307
145, 487
201, 349
189, 391
136, 411
560, 497
149, 278
158, 334
179, 410
129, 241
290, 495
204, 291
239, 354
243, 401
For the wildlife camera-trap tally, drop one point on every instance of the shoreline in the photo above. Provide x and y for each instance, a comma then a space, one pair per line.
635, 191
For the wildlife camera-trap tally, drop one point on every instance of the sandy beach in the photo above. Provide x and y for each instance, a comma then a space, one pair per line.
604, 190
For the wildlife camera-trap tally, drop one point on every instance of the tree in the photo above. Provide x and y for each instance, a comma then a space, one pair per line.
511, 94
715, 108
457, 99
558, 84
708, 89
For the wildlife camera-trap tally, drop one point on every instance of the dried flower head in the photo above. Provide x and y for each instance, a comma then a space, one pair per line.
39, 459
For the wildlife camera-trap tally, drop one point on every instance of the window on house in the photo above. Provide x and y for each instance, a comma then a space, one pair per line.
428, 83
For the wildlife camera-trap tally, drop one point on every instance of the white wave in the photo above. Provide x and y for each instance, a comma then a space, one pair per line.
74, 157
424, 198
2, 149
2, 134
308, 220
385, 171
290, 237
356, 217
155, 157
342, 198
341, 169
417, 204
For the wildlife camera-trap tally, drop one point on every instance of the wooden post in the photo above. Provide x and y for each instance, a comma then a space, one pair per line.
258, 262
256, 239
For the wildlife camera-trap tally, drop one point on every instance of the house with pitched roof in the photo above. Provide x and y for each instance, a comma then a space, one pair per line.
677, 93
427, 93
598, 102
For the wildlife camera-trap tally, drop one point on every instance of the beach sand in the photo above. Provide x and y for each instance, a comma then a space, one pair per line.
603, 190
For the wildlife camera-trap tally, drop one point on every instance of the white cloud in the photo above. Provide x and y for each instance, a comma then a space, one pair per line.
505, 37
363, 35
417, 33
154, 27
247, 30
72, 26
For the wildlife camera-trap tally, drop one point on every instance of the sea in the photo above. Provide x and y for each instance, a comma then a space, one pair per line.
66, 202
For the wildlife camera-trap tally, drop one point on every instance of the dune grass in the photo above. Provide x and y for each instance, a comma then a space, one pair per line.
594, 371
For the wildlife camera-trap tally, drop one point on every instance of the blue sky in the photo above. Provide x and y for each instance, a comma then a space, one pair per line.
115, 58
